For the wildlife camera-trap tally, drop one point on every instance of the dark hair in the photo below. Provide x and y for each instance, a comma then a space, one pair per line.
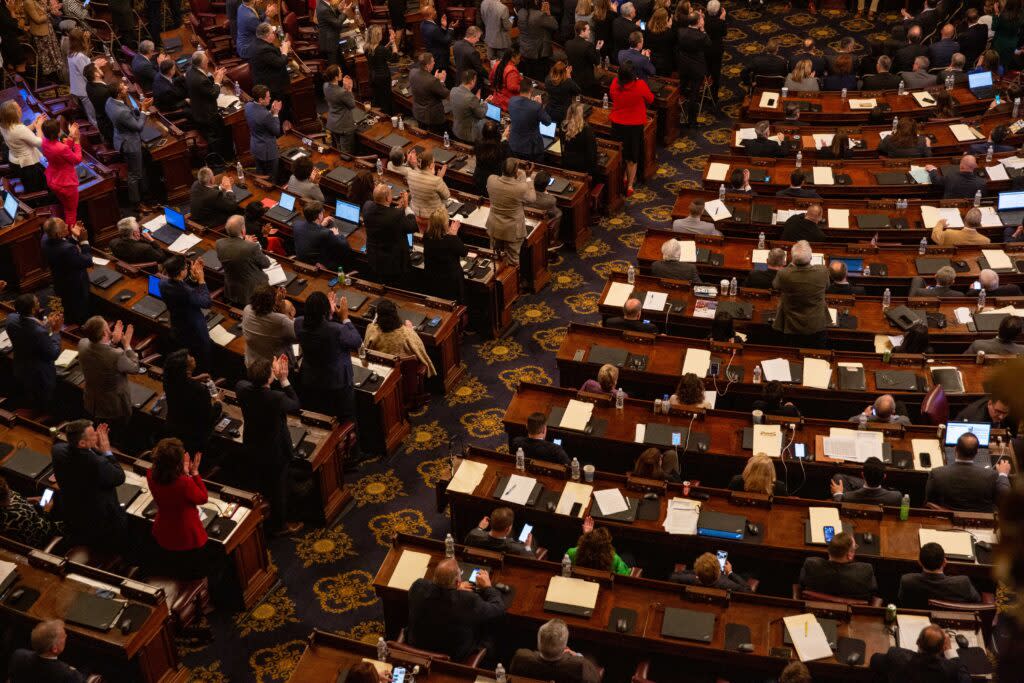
51, 129
796, 178
25, 304
303, 167
363, 672
690, 389
967, 446
361, 188
773, 394
167, 461
498, 78
594, 550
648, 464
166, 67
387, 316
259, 372
541, 180
311, 210
176, 370
915, 340
626, 74
263, 300
332, 72
259, 91
488, 149
999, 133
931, 556
502, 519
840, 545
525, 87
874, 471
254, 211
535, 423
736, 179
90, 70
75, 429
1009, 329
722, 327
840, 147
316, 311
174, 266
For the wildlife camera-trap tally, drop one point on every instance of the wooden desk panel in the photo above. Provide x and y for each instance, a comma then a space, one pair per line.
835, 110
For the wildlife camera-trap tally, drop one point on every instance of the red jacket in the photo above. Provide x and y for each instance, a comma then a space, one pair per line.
510, 86
62, 158
629, 104
177, 525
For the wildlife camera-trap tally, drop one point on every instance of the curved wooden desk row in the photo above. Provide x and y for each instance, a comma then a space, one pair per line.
859, 319
713, 440
649, 599
854, 177
781, 521
665, 355
828, 106
753, 214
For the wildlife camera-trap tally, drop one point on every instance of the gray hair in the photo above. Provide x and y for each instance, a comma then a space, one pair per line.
627, 10
761, 128
885, 405
552, 639
205, 175
671, 250
126, 227
198, 58
714, 7
972, 219
776, 257
945, 276
146, 47
957, 61
801, 253
235, 226
474, 32
988, 278
264, 30
921, 62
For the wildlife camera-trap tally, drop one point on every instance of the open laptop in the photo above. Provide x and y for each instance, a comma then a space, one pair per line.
980, 84
10, 211
174, 225
1010, 207
151, 305
557, 185
285, 209
346, 217
548, 133
854, 266
493, 112
954, 430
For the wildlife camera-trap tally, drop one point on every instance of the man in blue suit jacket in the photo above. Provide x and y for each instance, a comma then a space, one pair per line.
69, 261
246, 21
36, 345
185, 302
527, 113
128, 124
316, 240
144, 65
641, 58
437, 40
264, 129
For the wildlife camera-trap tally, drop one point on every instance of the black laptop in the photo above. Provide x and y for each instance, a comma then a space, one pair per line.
126, 493
92, 611
342, 174
896, 380
443, 156
140, 394
905, 318
688, 624
103, 277
930, 266
606, 355
284, 210
150, 133
27, 463
10, 210
394, 140
151, 305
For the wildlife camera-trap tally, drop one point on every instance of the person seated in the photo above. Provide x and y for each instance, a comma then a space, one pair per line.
840, 575
884, 79
942, 288
847, 489
723, 329
553, 660
390, 335
451, 616
996, 141
918, 77
594, 550
707, 572
964, 485
656, 464
951, 237
882, 411
690, 392
796, 187
903, 57
765, 146
838, 149
317, 241
991, 409
134, 246
366, 672
838, 282
807, 50
1014, 233
694, 224
22, 519
945, 110
494, 533
671, 267
802, 78
915, 340
41, 663
759, 477
192, 413
935, 660
841, 75
988, 279
804, 226
906, 141
964, 184
535, 444
773, 400
630, 319
931, 583
955, 69
791, 119
1005, 341
606, 382
796, 671
762, 278
739, 181
765, 63
303, 182
941, 52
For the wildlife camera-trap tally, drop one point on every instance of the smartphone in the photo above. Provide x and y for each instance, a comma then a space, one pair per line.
830, 531
557, 442
647, 322
434, 322
723, 555
713, 368
527, 530
473, 575
925, 458
398, 674
47, 497
676, 438
799, 451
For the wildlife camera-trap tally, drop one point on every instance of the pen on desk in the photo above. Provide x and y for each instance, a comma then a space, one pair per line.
805, 628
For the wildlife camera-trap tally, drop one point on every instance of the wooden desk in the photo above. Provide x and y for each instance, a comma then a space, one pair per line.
666, 101
833, 109
21, 255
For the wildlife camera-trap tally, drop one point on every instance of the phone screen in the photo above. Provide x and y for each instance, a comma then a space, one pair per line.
713, 368
830, 531
527, 530
799, 451
473, 575
676, 440
398, 675
47, 497
723, 555
557, 442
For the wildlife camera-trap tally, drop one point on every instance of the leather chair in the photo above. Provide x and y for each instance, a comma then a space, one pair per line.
472, 660
986, 611
935, 406
186, 600
643, 670
414, 377
800, 593
242, 74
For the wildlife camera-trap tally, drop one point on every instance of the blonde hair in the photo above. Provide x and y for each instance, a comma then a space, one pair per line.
801, 71
10, 115
437, 224
584, 7
573, 122
759, 475
608, 376
601, 9
373, 37
659, 21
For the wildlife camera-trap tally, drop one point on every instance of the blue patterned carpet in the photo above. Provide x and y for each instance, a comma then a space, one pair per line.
327, 573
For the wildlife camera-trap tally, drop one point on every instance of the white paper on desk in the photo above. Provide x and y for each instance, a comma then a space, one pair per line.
767, 440
1012, 162
221, 336
854, 445
185, 241
920, 175
996, 258
759, 256
745, 134
717, 209
618, 294
783, 215
97, 261
930, 446
6, 569
655, 301
155, 223
870, 103
717, 171
910, 627
224, 100
839, 218
710, 398
681, 516
963, 315
611, 501
574, 492
883, 134
769, 100
468, 476
807, 635
924, 98
823, 139
820, 518
962, 132
989, 217
639, 432
817, 259
5, 342
687, 251
577, 415
566, 590
697, 361
776, 369
817, 373
951, 215
822, 175
68, 356
479, 216
411, 565
997, 172
833, 315
275, 274
518, 489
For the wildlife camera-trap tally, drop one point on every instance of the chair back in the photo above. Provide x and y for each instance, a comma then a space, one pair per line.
935, 406
827, 597
291, 26
986, 611
414, 375
242, 73
769, 82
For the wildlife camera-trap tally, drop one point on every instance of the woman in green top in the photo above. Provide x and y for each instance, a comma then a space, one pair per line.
594, 550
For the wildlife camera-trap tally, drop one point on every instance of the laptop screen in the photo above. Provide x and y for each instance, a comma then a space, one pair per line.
287, 202
1010, 200
853, 265
980, 79
154, 286
954, 430
174, 218
347, 212
547, 131
493, 112
11, 206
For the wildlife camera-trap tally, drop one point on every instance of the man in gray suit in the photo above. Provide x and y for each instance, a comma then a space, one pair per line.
106, 368
802, 316
506, 222
1005, 341
882, 411
919, 77
428, 94
944, 277
128, 124
965, 485
494, 18
330, 23
468, 110
243, 261
264, 129
693, 224
670, 265
553, 660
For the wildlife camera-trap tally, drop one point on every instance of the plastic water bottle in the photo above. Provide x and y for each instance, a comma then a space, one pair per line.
785, 92
380, 167
981, 300
401, 122
447, 140
631, 274
604, 101
607, 63
842, 94
212, 387
979, 358
382, 647
886, 298
862, 421
733, 286
362, 352
799, 158
721, 191
520, 460
238, 89
922, 248
499, 674
988, 154
449, 546
902, 89
575, 469
895, 122
757, 374
905, 507
566, 565
867, 269
620, 399
977, 199
666, 405
760, 240
341, 276
1016, 107
240, 172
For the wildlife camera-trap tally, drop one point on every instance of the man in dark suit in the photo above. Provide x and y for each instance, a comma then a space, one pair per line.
451, 616
553, 660
387, 231
212, 204
671, 267
640, 58
317, 240
128, 123
804, 227
767, 63
170, 92
622, 27
944, 277
69, 259
203, 89
929, 663
35, 344
535, 444
266, 398
468, 59
707, 572
925, 21
269, 64
838, 284
144, 65
991, 409
802, 317
883, 79
495, 533
429, 94
869, 491
765, 278
904, 58
932, 583
965, 485
941, 52
264, 119
330, 20
955, 69
40, 664
243, 261
808, 51
764, 146
630, 319
996, 140
88, 476
973, 37
839, 574
692, 44
583, 56
796, 187
526, 112
185, 303
962, 184
134, 246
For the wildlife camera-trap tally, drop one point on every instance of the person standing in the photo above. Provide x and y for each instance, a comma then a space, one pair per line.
178, 491
36, 345
203, 89
185, 303
468, 59
330, 21
692, 45
495, 17
427, 189
715, 28
211, 204
437, 40
428, 94
128, 123
340, 103
49, 57
468, 111
107, 395
630, 99
536, 28
579, 144
561, 89
62, 158
387, 228
443, 252
327, 338
583, 57
802, 317
192, 412
506, 222
379, 55
243, 261
269, 65
69, 261
99, 91
263, 117
24, 146
526, 112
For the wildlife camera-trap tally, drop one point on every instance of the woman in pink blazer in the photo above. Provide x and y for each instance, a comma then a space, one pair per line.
62, 157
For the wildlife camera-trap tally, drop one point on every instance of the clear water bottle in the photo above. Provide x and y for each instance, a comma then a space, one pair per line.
1016, 107
905, 507
979, 358
631, 274
862, 421
902, 90
886, 298
212, 387
895, 122
949, 82
447, 140
760, 240
977, 199
520, 460
604, 101
981, 299
799, 158
785, 92
988, 154
382, 647
240, 172
566, 565
922, 248
842, 94
449, 546
380, 167
362, 352
721, 191
499, 674
666, 405
620, 399
238, 89
867, 270
575, 469
401, 122
733, 286
757, 374
607, 63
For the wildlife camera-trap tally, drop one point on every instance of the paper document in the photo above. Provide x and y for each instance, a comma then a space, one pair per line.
910, 627
717, 210
783, 215
817, 373
962, 132
821, 518
924, 98
745, 134
5, 342
410, 566
822, 175
1012, 162
853, 445
468, 475
185, 241
681, 516
823, 139
697, 361
767, 440
883, 134
920, 175
759, 256
870, 103
769, 100
618, 294
833, 315
953, 542
566, 590
225, 100
577, 415
930, 215
275, 274
710, 398
963, 315
66, 358
776, 369
155, 223
221, 336
574, 492
717, 171
808, 637
839, 218
518, 489
997, 259
639, 432
687, 251
997, 172
817, 259
97, 261
930, 446
655, 301
611, 501
989, 217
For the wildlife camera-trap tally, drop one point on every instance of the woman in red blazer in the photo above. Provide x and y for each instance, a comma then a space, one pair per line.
630, 98
177, 488
62, 158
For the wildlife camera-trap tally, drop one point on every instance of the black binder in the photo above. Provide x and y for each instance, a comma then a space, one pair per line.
443, 156
849, 646
905, 318
355, 299
851, 379
342, 174
988, 322
361, 378
872, 221
761, 213
721, 525
627, 515
27, 463
892, 178
899, 380
140, 394
150, 306
758, 175
950, 380
211, 260
394, 140
739, 310
602, 355
688, 624
93, 611
502, 483
929, 265
296, 434
976, 660
220, 528
126, 493
104, 278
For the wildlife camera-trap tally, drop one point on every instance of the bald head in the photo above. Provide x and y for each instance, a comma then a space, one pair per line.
968, 164
632, 309
813, 213
989, 279
932, 640
914, 34
235, 226
885, 407
948, 31
446, 573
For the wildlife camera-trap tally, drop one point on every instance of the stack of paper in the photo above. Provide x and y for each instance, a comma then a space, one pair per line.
833, 315
687, 251
930, 446
963, 315
854, 445
883, 134
1012, 162
697, 361
776, 370
518, 489
221, 336
924, 98
97, 261
759, 256
681, 517
155, 223
66, 358
820, 518
565, 590
610, 501
930, 215
808, 637
817, 373
767, 440
822, 175
655, 301
275, 274
870, 103
962, 132
953, 542
5, 342
997, 172
574, 492
717, 171
618, 294
817, 259
920, 175
577, 415
839, 218
185, 241
717, 209
989, 217
745, 134
783, 215
823, 139
997, 259
478, 216
410, 567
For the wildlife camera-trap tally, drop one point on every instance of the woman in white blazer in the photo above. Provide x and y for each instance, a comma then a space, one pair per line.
25, 146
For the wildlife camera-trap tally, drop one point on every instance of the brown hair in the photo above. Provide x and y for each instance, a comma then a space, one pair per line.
906, 133
78, 41
501, 519
690, 389
168, 456
594, 550
659, 21
707, 569
843, 64
363, 672
558, 74
840, 545
9, 114
601, 9
759, 474
608, 376
648, 464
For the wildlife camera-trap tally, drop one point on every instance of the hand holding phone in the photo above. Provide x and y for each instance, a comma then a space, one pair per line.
46, 498
723, 555
525, 533
830, 531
